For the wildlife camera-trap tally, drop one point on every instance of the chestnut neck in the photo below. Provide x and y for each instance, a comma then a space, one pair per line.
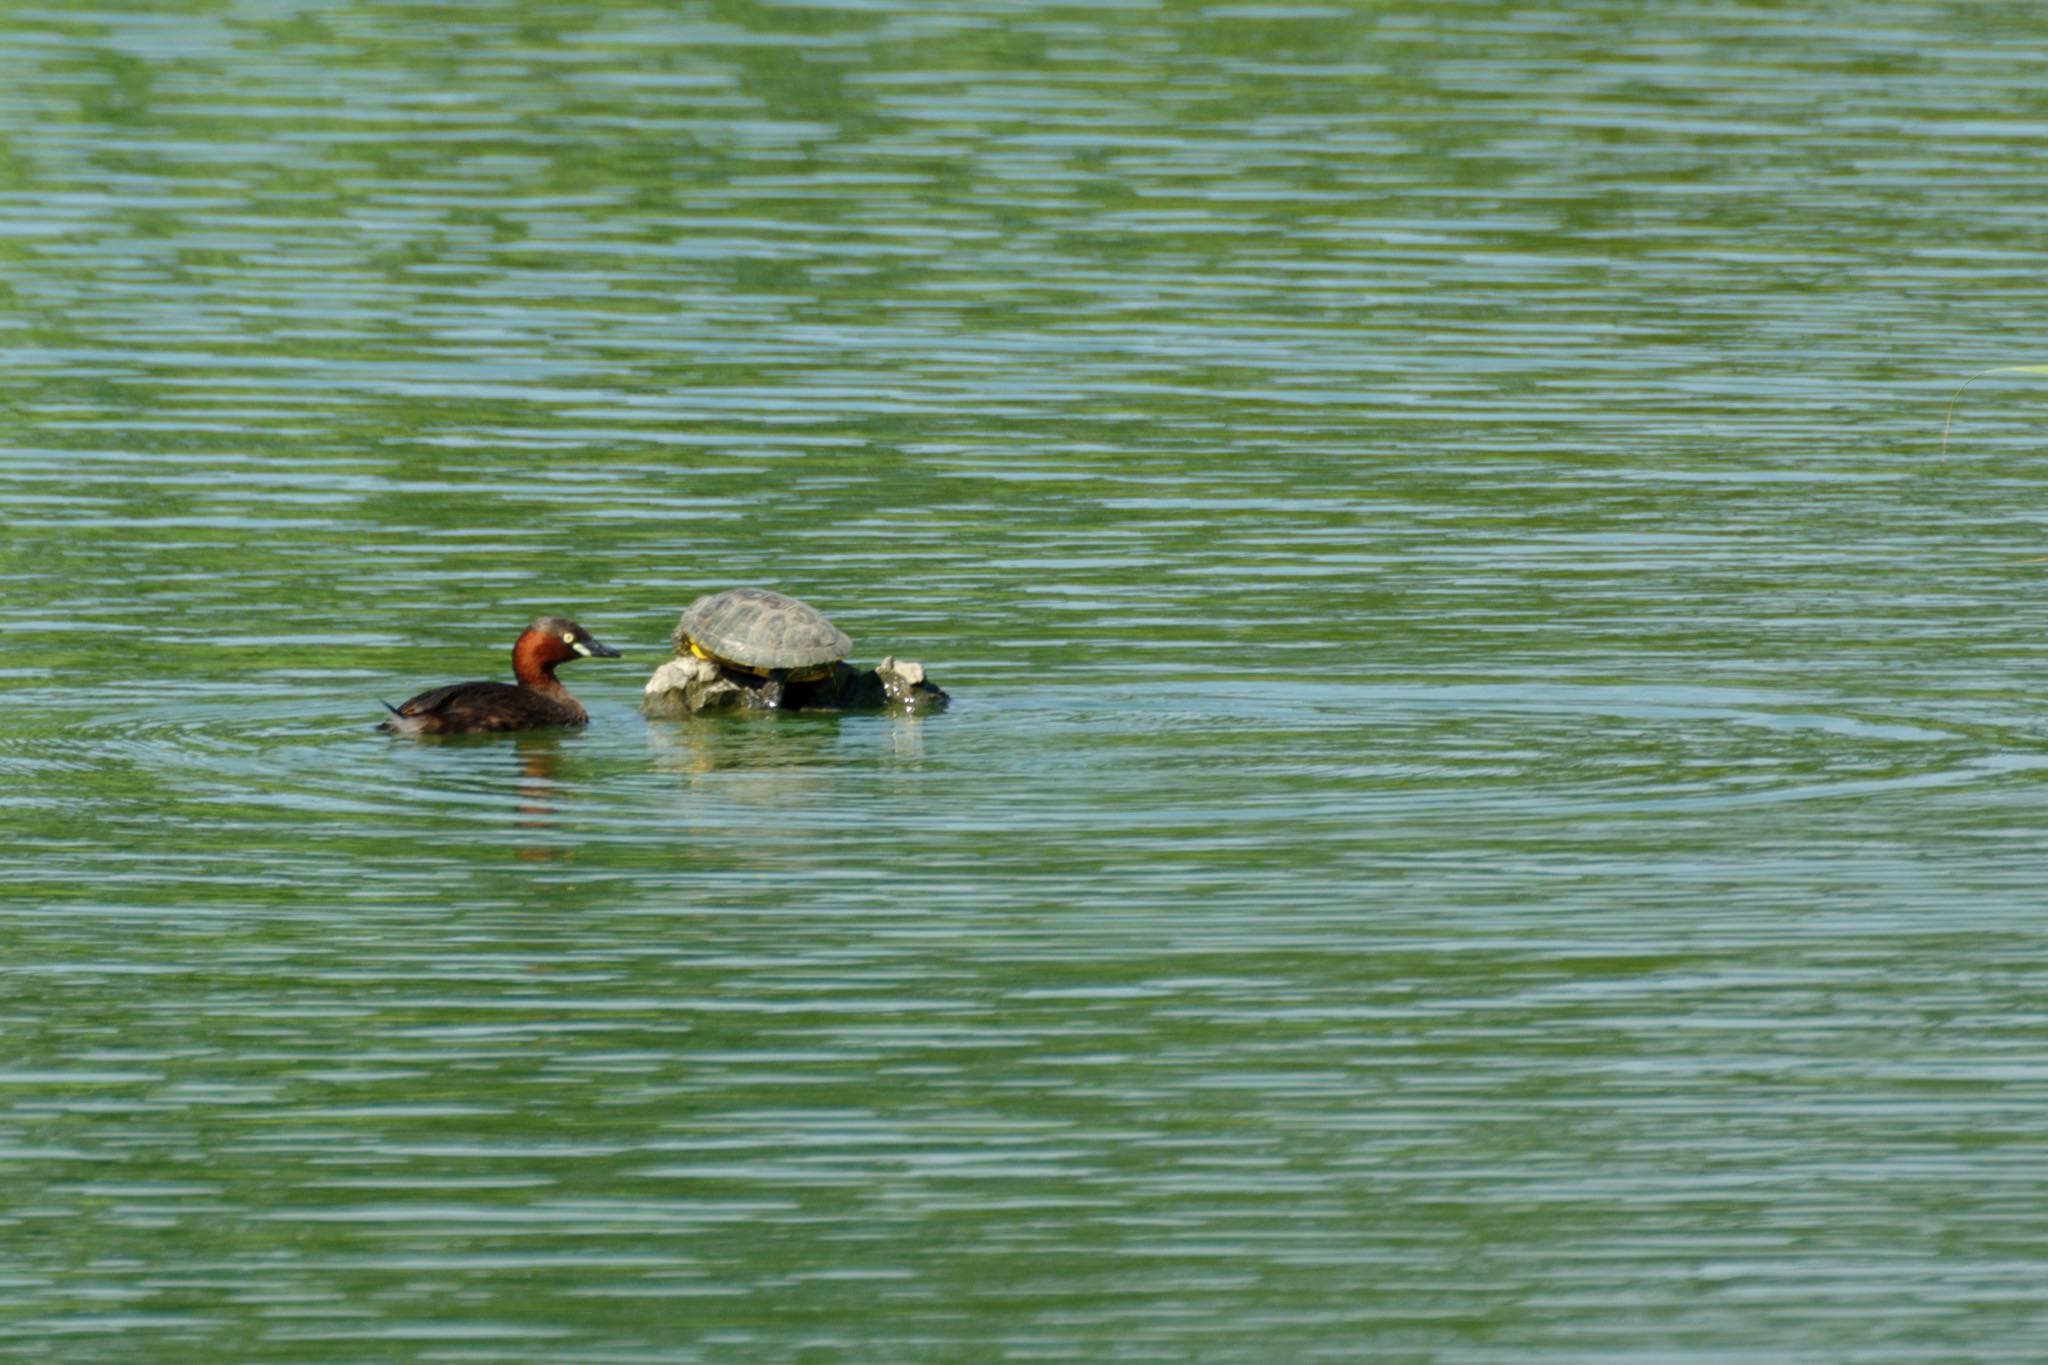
534, 657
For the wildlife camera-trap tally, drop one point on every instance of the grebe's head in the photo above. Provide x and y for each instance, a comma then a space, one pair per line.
559, 640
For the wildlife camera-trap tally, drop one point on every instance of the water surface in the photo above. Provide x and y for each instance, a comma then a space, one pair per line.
1492, 806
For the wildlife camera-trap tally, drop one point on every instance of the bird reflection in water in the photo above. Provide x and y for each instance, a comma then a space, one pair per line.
539, 756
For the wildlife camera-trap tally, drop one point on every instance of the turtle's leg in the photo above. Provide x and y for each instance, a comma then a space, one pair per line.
771, 691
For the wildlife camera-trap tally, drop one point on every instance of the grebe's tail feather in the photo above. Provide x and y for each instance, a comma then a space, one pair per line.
397, 723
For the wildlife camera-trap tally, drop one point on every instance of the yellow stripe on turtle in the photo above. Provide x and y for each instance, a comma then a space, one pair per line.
793, 675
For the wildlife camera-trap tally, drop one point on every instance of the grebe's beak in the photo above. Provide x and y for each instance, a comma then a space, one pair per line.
591, 649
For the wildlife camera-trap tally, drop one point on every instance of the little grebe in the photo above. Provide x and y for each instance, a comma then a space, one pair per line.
537, 700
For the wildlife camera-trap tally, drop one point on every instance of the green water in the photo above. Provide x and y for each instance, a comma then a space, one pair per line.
1493, 804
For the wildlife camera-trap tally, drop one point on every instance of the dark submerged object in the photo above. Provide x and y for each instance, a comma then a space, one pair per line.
537, 699
762, 633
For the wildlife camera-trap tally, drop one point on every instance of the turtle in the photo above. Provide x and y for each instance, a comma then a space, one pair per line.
753, 630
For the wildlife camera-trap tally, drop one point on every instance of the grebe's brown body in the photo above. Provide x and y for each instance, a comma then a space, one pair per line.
538, 699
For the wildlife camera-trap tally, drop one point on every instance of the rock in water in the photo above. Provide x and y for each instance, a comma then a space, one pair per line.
692, 686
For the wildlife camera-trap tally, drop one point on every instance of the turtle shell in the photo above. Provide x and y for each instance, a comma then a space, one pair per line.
761, 632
